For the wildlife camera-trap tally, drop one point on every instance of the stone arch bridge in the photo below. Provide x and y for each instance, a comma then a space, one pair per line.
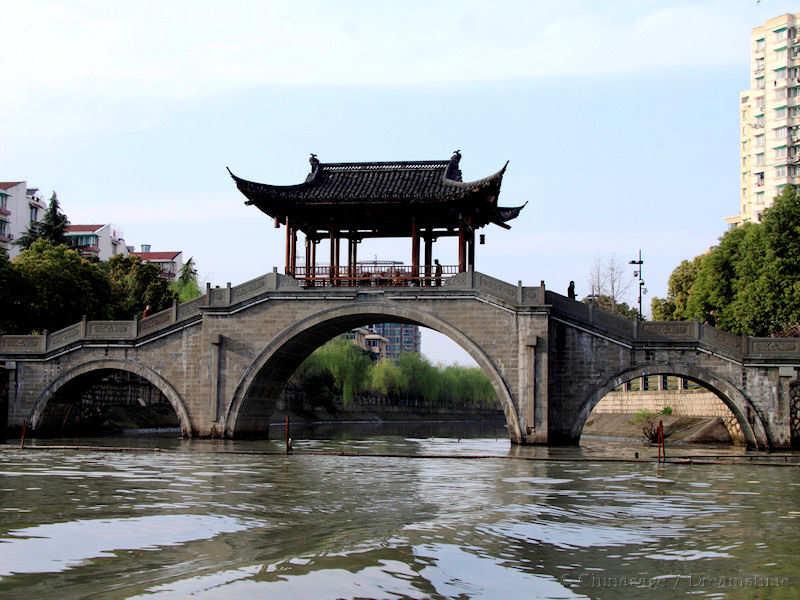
222, 359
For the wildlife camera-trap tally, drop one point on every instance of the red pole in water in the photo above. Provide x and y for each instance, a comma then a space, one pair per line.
22, 435
287, 440
662, 451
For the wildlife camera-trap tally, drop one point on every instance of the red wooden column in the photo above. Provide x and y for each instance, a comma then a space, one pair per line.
309, 244
337, 256
287, 261
471, 250
294, 251
414, 251
314, 262
354, 275
428, 256
462, 248
334, 248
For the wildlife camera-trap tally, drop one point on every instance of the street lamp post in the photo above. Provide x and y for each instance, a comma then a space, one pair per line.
638, 273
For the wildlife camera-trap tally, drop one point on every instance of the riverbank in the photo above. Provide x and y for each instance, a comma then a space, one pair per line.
677, 428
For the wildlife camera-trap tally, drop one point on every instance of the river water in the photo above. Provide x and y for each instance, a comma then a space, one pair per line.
213, 519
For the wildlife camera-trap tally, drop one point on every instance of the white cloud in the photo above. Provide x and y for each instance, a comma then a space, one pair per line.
186, 49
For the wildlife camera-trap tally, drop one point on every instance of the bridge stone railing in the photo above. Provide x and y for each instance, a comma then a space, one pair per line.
616, 326
63, 337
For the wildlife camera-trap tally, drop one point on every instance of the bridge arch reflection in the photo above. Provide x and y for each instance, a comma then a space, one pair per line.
747, 414
261, 384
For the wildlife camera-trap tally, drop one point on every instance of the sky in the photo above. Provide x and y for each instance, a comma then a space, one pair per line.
619, 120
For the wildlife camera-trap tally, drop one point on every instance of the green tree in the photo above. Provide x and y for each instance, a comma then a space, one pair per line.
673, 307
607, 303
12, 297
185, 286
387, 379
348, 365
59, 287
750, 282
52, 227
135, 285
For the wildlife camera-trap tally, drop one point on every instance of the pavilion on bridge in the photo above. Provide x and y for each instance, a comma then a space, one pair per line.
422, 200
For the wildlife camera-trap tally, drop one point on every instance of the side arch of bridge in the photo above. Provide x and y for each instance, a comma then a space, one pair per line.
755, 432
282, 355
111, 364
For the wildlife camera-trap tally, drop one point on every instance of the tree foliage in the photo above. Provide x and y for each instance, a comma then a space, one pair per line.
341, 369
135, 285
58, 287
185, 286
750, 282
51, 228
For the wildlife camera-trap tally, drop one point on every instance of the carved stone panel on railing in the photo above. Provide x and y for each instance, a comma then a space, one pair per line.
721, 341
248, 289
774, 347
217, 296
563, 306
495, 287
22, 344
65, 336
111, 330
155, 322
683, 331
532, 296
190, 308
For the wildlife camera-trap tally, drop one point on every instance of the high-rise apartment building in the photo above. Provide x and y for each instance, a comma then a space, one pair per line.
769, 117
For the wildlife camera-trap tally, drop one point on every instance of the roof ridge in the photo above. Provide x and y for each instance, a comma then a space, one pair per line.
378, 165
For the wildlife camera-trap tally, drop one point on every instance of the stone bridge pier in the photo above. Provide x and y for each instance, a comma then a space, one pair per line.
221, 360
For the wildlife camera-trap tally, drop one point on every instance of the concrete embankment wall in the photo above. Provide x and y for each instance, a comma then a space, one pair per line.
689, 403
684, 403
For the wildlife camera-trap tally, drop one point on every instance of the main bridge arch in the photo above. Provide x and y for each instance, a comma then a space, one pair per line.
268, 373
93, 366
747, 415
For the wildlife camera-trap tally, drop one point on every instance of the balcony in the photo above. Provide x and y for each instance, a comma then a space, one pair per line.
5, 212
5, 238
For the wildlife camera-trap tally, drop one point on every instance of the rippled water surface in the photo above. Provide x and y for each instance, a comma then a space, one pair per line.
224, 520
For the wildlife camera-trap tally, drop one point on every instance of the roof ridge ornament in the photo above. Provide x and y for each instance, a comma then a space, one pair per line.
453, 172
314, 162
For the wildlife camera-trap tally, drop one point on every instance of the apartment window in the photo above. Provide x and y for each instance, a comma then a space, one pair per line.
780, 34
780, 171
780, 152
759, 121
760, 85
779, 94
760, 198
794, 92
780, 74
780, 55
3, 228
34, 214
794, 111
3, 200
779, 133
760, 159
760, 178
780, 113
793, 170
760, 141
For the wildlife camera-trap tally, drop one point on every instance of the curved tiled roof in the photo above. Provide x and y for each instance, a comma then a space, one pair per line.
436, 184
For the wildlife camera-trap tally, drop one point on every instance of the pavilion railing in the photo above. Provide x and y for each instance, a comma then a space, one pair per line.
373, 276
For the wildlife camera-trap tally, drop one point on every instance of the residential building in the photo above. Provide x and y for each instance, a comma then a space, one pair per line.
769, 117
368, 340
170, 261
96, 241
19, 207
400, 337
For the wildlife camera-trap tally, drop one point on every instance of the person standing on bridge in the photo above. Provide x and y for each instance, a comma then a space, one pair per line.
571, 290
437, 272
